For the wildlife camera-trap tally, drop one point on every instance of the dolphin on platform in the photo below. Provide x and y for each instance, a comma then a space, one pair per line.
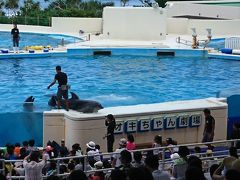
75, 103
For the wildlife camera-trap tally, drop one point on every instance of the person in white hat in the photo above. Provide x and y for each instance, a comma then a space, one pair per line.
98, 174
91, 150
116, 157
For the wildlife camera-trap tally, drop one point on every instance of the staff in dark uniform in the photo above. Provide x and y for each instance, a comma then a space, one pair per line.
62, 79
111, 124
208, 133
15, 37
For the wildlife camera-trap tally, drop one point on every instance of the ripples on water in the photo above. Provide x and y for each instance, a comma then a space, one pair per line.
116, 80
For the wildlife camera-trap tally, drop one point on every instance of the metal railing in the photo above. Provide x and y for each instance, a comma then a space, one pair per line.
162, 162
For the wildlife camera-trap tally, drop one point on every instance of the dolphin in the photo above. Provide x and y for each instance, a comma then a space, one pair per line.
28, 103
75, 103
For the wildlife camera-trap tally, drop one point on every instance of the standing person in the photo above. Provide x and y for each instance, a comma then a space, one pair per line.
111, 124
208, 133
15, 37
62, 79
33, 168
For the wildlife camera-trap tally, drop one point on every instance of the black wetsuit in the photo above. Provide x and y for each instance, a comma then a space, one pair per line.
61, 77
15, 35
110, 135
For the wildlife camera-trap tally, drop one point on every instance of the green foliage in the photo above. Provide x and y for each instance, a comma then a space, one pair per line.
31, 13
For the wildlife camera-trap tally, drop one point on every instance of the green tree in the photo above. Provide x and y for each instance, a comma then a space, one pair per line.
1, 7
12, 6
124, 2
30, 8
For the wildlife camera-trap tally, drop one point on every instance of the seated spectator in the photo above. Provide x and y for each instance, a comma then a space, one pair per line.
125, 159
137, 156
71, 166
63, 149
197, 151
180, 164
139, 174
194, 173
76, 150
33, 168
170, 143
236, 165
236, 134
52, 169
152, 165
79, 165
213, 168
23, 153
25, 145
10, 152
116, 157
194, 161
227, 161
99, 175
157, 143
91, 151
130, 142
17, 149
232, 174
117, 174
98, 148
18, 167
31, 144
77, 175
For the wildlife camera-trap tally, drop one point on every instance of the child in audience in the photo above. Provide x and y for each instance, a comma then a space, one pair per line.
130, 142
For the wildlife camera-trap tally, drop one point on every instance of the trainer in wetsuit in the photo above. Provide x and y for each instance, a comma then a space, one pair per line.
111, 124
15, 37
61, 77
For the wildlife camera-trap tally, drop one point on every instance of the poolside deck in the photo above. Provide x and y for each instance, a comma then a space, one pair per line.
224, 56
36, 54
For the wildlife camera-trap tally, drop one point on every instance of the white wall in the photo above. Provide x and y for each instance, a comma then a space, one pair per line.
26, 28
80, 128
177, 26
131, 23
73, 25
187, 8
219, 27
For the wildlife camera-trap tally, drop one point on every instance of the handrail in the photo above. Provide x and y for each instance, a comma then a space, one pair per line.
162, 162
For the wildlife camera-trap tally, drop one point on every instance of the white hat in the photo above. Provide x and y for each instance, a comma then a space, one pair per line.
174, 156
122, 142
91, 145
98, 164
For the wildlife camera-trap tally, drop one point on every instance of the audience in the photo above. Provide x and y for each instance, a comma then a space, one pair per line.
180, 164
130, 142
33, 168
129, 165
116, 157
152, 164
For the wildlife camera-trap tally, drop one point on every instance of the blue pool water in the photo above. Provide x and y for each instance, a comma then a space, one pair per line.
35, 39
113, 81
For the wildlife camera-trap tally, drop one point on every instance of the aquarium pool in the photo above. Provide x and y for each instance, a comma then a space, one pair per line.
111, 80
35, 39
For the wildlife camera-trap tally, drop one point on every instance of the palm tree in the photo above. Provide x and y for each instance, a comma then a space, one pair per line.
124, 2
1, 6
12, 5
